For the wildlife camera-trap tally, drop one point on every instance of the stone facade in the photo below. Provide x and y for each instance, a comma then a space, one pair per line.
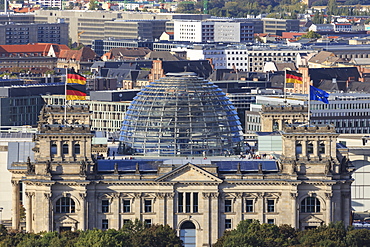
275, 117
66, 189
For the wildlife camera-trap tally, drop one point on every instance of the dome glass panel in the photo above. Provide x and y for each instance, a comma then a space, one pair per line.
179, 116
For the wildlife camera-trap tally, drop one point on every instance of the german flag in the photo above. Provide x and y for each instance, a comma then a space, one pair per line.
293, 77
73, 77
74, 93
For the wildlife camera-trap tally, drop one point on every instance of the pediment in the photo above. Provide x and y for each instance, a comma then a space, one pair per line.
312, 219
66, 220
189, 173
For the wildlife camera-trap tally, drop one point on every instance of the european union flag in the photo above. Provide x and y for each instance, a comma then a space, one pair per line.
318, 94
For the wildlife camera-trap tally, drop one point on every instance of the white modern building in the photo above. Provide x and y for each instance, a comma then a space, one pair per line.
222, 30
348, 112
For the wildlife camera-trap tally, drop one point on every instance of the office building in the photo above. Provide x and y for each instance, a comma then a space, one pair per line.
24, 33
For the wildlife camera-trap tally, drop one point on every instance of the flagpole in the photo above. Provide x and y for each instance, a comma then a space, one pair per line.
309, 103
285, 101
65, 96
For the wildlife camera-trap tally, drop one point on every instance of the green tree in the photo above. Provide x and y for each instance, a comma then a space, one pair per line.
332, 7
311, 35
252, 233
109, 238
94, 5
186, 7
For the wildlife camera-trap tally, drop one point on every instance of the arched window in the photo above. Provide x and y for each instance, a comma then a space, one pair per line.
188, 234
298, 147
275, 126
77, 148
65, 205
310, 148
322, 148
310, 205
65, 148
53, 148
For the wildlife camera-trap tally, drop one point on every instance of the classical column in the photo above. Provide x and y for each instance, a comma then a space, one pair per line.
207, 218
170, 209
304, 147
82, 218
214, 221
29, 211
261, 202
346, 202
161, 208
238, 208
137, 205
70, 148
59, 148
328, 203
83, 149
48, 219
315, 148
15, 205
116, 211
295, 215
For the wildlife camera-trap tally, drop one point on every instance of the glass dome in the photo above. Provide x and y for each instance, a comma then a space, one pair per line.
181, 115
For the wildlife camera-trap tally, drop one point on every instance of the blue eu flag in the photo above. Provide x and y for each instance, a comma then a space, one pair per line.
318, 94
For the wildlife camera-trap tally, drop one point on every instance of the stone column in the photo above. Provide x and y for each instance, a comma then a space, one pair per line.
137, 205
295, 209
261, 202
238, 209
48, 218
29, 211
116, 211
15, 205
161, 208
170, 209
82, 218
304, 147
214, 221
328, 203
70, 148
82, 147
315, 148
280, 121
346, 202
59, 148
207, 219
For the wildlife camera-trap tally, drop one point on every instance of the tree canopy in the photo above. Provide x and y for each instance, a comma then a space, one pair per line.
133, 234
252, 233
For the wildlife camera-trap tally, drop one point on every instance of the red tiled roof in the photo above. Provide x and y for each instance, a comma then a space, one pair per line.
291, 35
36, 49
84, 54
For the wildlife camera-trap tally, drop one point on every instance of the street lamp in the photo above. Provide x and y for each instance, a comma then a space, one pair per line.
1, 215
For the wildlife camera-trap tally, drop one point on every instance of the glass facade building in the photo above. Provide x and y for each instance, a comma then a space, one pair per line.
181, 115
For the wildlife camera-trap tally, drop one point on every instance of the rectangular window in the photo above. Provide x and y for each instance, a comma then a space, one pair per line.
105, 206
227, 206
148, 222
126, 206
270, 221
104, 224
126, 222
270, 205
187, 202
180, 208
227, 223
249, 206
147, 206
195, 202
